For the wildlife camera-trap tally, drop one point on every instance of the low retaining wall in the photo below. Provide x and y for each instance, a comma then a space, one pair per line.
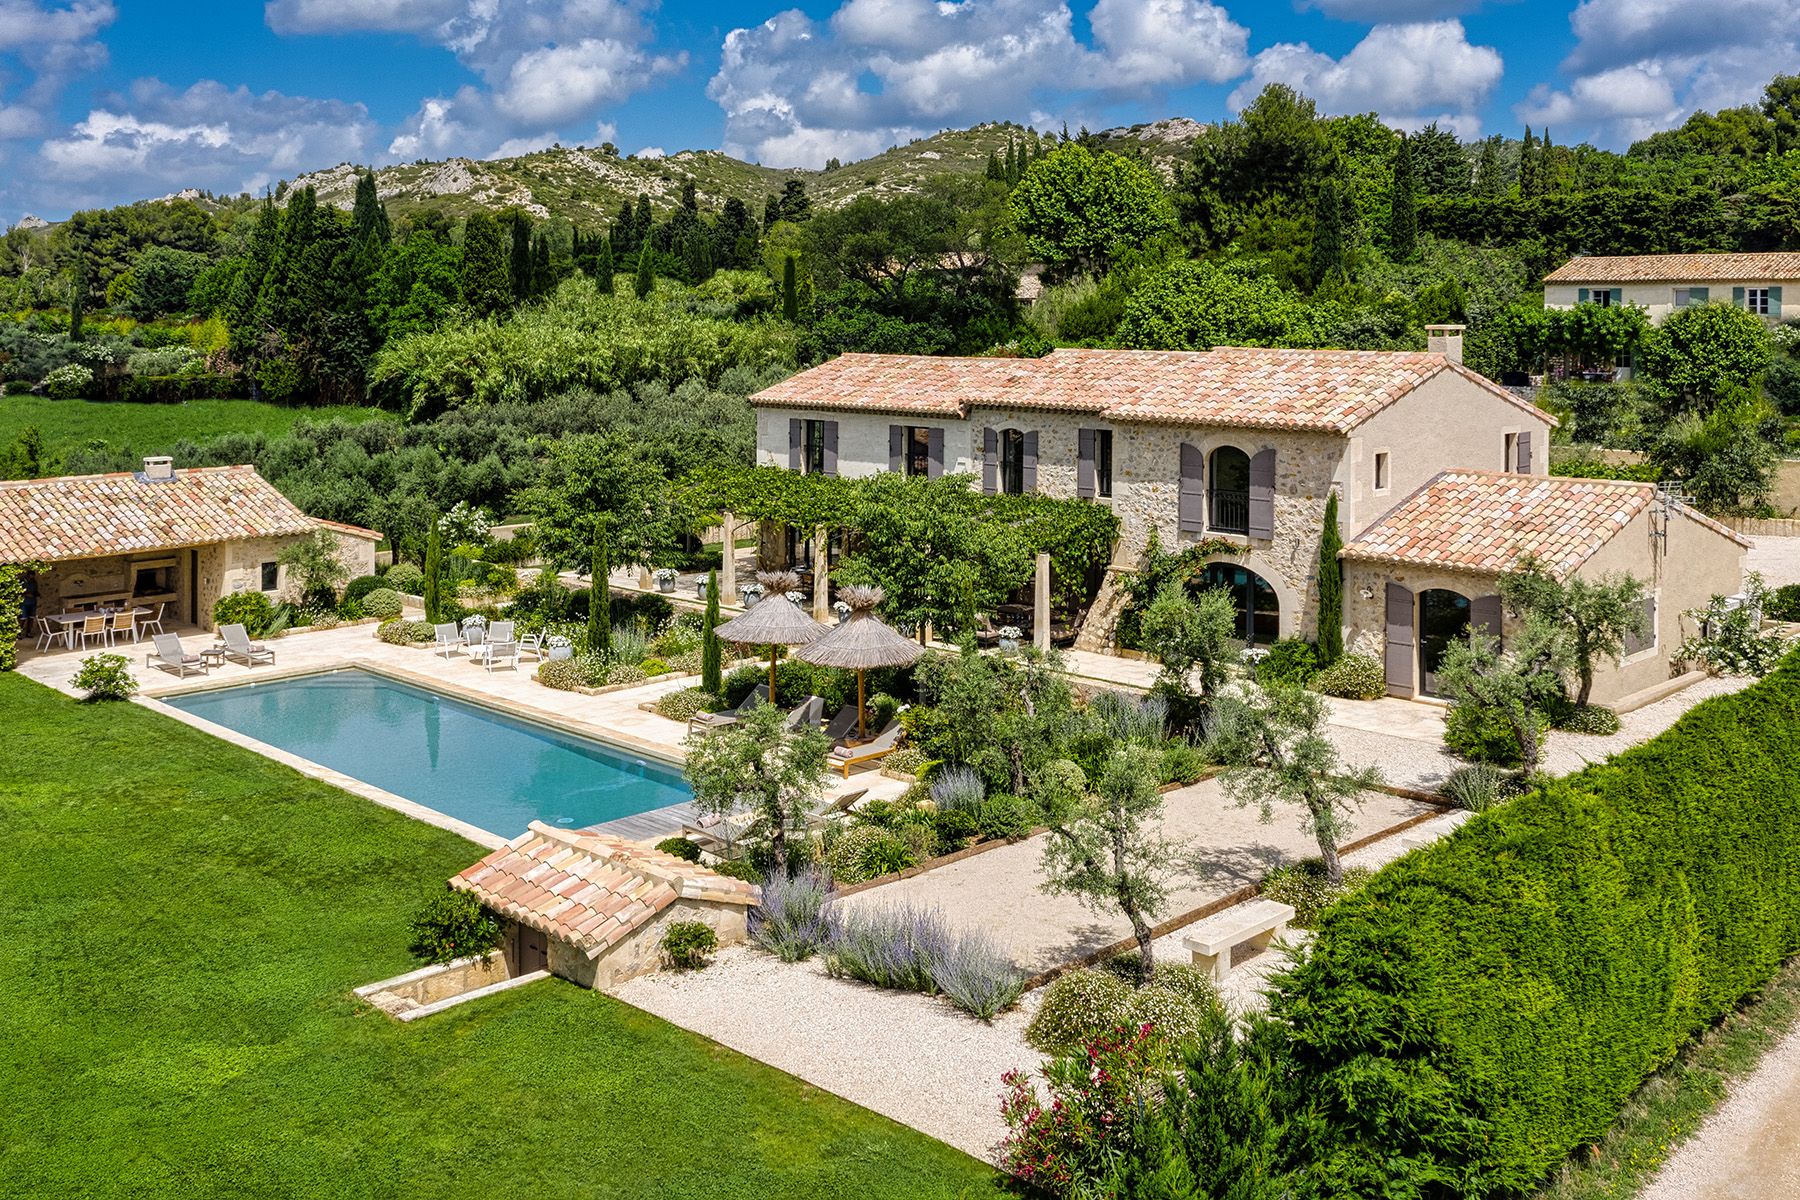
444, 985
1753, 527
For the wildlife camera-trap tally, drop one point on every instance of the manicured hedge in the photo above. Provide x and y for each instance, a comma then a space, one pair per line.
1485, 1006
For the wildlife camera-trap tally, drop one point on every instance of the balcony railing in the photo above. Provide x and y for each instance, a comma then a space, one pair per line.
1228, 512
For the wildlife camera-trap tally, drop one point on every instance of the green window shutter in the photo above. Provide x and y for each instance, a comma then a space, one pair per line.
1581, 295
1696, 295
1618, 297
1774, 302
1737, 296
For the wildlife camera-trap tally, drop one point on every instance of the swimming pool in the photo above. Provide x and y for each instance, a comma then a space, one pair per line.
495, 772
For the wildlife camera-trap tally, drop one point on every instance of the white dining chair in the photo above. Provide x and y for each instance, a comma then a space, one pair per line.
152, 624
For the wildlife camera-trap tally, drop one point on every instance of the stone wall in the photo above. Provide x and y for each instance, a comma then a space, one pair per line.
641, 952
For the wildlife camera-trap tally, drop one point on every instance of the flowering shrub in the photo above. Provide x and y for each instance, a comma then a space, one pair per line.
1076, 1141
1352, 677
382, 603
1087, 1004
404, 633
789, 920
105, 677
70, 382
866, 851
914, 949
685, 704
1302, 885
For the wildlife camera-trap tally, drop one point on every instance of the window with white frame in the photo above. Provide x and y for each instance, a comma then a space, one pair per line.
1757, 300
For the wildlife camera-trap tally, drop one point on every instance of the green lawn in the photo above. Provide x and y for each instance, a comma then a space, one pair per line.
181, 923
153, 428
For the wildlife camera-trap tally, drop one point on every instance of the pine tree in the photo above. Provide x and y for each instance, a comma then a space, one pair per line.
486, 278
1331, 237
519, 260
796, 205
1528, 166
603, 267
790, 294
646, 273
368, 216
711, 656
1403, 223
1488, 180
1331, 587
600, 595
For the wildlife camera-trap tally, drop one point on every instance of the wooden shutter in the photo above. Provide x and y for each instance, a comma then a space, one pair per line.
1084, 464
1523, 462
1191, 501
1484, 615
1582, 295
934, 450
897, 448
1400, 641
1774, 302
828, 433
1737, 296
796, 444
990, 469
1028, 476
1262, 493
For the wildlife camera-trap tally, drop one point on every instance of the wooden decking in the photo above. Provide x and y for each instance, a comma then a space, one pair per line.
655, 825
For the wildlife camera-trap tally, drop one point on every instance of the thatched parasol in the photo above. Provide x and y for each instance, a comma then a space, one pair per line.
860, 644
774, 621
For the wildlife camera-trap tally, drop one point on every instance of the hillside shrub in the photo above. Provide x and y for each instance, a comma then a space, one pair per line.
383, 604
1481, 735
866, 851
1477, 786
253, 610
689, 945
1290, 660
681, 848
1783, 603
105, 677
1485, 1006
453, 925
1005, 816
1352, 677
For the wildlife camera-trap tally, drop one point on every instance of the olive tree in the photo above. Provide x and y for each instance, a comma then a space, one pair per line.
762, 768
1515, 684
1598, 615
1273, 744
1193, 637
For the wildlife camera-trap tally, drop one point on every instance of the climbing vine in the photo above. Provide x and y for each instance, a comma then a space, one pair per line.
12, 609
1162, 567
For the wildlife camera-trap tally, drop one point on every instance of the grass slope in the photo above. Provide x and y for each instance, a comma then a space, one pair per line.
182, 924
153, 428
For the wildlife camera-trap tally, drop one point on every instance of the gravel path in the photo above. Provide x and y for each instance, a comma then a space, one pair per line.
1749, 1149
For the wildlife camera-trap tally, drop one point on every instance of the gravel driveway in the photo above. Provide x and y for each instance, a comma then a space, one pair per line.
1749, 1149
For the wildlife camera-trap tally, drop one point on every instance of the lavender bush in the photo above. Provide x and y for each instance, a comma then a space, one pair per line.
790, 920
914, 949
978, 977
958, 788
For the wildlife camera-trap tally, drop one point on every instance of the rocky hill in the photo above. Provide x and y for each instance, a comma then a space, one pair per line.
586, 184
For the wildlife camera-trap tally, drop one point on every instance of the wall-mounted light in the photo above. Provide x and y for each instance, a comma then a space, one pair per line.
1367, 591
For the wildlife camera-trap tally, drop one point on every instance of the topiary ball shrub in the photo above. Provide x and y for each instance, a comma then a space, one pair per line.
404, 633
653, 666
689, 945
404, 578
563, 674
105, 677
864, 852
1352, 677
252, 610
686, 704
1592, 719
350, 603
382, 603
681, 848
453, 925
1005, 816
1078, 1006
1290, 660
1302, 885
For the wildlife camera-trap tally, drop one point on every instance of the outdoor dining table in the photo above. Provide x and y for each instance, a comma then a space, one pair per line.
76, 618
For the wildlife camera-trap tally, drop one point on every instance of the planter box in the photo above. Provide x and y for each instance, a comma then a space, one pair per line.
610, 688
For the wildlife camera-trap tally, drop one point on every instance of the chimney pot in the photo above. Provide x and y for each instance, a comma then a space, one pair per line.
1445, 340
159, 468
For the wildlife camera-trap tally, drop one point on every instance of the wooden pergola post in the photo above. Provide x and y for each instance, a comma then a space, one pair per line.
728, 559
821, 549
1040, 605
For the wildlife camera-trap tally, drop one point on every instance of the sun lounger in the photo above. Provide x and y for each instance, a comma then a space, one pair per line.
842, 725
721, 720
837, 808
844, 756
239, 646
719, 835
807, 714
169, 655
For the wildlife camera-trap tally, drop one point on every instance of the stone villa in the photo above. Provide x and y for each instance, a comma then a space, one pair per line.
1441, 478
1663, 283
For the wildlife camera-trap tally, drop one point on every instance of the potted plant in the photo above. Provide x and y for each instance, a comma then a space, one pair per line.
842, 610
665, 578
796, 596
558, 648
700, 588
1009, 638
752, 592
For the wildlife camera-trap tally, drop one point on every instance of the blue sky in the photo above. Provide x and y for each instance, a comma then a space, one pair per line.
104, 101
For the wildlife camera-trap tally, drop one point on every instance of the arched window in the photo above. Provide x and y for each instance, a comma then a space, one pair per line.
1443, 620
1228, 490
1258, 608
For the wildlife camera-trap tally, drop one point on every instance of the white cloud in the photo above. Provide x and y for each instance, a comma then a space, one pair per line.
796, 91
1408, 74
1640, 66
157, 139
49, 45
1377, 12
542, 63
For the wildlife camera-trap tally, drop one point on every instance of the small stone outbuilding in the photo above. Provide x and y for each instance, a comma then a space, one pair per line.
601, 904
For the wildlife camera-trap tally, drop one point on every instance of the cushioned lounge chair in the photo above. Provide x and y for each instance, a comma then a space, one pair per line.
239, 646
844, 756
169, 656
720, 720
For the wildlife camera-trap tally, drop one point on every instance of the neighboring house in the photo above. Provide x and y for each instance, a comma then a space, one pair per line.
1237, 450
1662, 283
593, 908
1416, 579
181, 539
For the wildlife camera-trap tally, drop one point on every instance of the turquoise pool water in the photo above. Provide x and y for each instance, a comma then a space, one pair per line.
497, 773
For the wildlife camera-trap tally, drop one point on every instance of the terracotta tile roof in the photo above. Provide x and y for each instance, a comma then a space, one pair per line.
1327, 390
1485, 522
590, 889
82, 516
1678, 268
353, 530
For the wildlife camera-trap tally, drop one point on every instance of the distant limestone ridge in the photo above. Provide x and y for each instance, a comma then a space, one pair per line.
586, 184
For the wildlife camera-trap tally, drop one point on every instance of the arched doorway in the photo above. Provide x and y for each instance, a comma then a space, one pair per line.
1258, 607
1228, 491
1443, 619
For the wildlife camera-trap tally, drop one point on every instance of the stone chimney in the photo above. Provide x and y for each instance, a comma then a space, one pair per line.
159, 469
1445, 340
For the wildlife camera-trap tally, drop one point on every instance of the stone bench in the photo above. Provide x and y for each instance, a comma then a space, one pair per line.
1258, 922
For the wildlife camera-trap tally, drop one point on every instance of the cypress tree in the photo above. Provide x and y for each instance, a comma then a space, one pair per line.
619, 236
696, 255
1403, 223
1157, 1168
1330, 234
1546, 165
711, 659
646, 273
1331, 587
520, 258
641, 220
368, 216
1528, 165
542, 278
78, 293
486, 280
995, 171
771, 212
790, 294
1487, 170
603, 267
434, 571
600, 596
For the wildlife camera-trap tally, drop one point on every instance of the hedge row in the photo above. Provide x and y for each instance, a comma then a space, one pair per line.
1486, 1006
